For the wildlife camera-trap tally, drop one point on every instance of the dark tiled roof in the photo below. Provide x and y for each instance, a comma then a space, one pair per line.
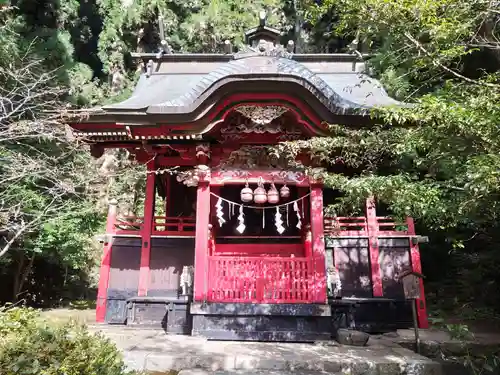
340, 91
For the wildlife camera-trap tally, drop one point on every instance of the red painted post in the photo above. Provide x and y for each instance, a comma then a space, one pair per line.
417, 267
201, 241
168, 182
102, 290
308, 252
147, 227
318, 242
372, 226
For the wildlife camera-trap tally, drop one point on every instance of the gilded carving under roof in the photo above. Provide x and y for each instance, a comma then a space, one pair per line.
262, 115
260, 120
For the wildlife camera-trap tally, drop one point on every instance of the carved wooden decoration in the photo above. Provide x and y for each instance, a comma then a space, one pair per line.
249, 157
262, 115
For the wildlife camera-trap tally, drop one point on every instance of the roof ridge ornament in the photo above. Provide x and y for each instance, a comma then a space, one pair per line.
164, 46
262, 18
267, 48
265, 41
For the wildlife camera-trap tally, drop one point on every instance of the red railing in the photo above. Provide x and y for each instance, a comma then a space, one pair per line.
345, 226
387, 225
174, 225
162, 225
262, 280
358, 226
333, 226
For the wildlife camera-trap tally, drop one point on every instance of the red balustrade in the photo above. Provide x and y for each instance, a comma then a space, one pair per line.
162, 225
174, 226
345, 226
358, 226
333, 226
387, 226
261, 280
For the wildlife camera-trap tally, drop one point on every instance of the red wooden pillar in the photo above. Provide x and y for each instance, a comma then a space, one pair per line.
417, 267
371, 218
202, 240
168, 185
102, 291
318, 242
147, 227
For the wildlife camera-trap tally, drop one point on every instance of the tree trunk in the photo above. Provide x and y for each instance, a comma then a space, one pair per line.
22, 275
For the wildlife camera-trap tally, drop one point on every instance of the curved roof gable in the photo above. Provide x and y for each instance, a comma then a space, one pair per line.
183, 90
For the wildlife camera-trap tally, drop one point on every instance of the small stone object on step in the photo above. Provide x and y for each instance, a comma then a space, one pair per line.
351, 337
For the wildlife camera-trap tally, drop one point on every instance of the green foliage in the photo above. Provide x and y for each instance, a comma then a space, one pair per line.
30, 345
47, 191
413, 39
190, 26
438, 159
459, 331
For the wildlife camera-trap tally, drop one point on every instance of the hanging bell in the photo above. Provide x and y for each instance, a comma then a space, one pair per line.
260, 194
246, 194
285, 192
273, 196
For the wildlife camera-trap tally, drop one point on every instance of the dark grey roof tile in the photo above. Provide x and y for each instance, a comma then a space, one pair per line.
339, 92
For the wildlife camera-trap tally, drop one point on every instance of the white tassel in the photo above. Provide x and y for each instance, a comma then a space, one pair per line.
220, 212
296, 209
278, 221
241, 219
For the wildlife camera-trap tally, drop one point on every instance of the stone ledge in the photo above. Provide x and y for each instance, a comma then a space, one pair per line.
342, 361
155, 351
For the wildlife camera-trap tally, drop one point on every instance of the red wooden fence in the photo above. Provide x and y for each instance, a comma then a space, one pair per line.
262, 280
358, 226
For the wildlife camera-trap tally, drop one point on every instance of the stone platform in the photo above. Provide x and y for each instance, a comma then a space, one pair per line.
153, 350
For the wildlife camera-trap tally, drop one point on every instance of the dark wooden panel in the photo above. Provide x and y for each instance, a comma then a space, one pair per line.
352, 260
250, 309
125, 264
262, 328
116, 311
168, 257
394, 258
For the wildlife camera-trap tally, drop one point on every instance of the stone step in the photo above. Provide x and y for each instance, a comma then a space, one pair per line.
342, 360
153, 350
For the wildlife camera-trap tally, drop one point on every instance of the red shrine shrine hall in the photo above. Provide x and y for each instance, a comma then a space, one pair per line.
233, 242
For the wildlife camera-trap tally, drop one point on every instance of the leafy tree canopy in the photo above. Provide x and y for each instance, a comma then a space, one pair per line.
438, 159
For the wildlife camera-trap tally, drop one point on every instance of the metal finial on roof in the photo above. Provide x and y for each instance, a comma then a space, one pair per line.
149, 68
164, 47
228, 48
161, 27
262, 18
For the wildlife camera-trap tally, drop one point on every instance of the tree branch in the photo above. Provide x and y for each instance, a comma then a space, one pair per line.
444, 67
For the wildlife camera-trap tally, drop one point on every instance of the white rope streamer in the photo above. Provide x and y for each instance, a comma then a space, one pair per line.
301, 199
220, 212
278, 221
241, 220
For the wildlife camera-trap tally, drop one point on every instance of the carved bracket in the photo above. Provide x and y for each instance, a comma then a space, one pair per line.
194, 176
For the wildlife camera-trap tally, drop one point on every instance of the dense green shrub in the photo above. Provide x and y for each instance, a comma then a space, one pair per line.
31, 345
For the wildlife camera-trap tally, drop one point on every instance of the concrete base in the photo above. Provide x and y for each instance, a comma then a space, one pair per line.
153, 350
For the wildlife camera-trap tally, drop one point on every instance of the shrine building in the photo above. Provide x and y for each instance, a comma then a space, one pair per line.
233, 243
